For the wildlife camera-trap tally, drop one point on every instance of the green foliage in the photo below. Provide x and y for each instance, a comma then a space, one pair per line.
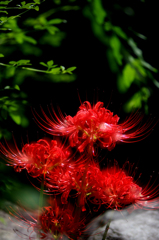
124, 57
98, 11
31, 32
4, 2
17, 36
20, 63
18, 32
49, 65
13, 189
138, 100
41, 23
52, 68
12, 105
29, 6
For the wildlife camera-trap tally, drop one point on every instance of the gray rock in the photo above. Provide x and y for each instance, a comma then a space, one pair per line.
139, 225
12, 229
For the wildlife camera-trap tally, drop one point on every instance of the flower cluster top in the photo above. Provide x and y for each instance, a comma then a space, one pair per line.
94, 126
79, 176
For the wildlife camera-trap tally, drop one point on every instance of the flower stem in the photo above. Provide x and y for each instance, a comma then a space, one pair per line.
106, 230
41, 193
107, 226
41, 200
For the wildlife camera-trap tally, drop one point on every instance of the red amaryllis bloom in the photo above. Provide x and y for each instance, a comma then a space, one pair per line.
117, 190
92, 125
37, 158
54, 222
83, 180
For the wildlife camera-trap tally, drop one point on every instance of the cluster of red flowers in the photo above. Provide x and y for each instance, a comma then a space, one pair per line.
80, 178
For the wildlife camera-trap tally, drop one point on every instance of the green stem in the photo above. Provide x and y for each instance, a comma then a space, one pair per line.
41, 192
107, 226
6, 65
26, 68
41, 200
106, 230
33, 69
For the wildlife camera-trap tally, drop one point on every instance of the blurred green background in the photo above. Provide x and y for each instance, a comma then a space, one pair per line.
55, 51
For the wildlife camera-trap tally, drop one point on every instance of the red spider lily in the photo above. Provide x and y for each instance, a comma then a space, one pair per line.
54, 222
84, 180
117, 190
94, 125
37, 158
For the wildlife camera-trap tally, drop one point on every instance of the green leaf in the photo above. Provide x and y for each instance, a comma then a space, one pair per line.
44, 64
37, 8
24, 122
3, 19
17, 87
3, 99
137, 64
16, 118
112, 63
120, 32
23, 3
2, 7
99, 11
23, 62
1, 55
71, 69
57, 2
50, 63
13, 17
30, 39
137, 100
141, 36
62, 68
38, 26
13, 108
4, 12
56, 21
13, 62
125, 80
37, 1
116, 47
134, 102
147, 65
136, 50
10, 71
55, 70
108, 26
52, 29
7, 87
4, 2
19, 37
4, 112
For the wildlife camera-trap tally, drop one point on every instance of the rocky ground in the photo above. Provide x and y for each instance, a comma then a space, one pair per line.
139, 225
